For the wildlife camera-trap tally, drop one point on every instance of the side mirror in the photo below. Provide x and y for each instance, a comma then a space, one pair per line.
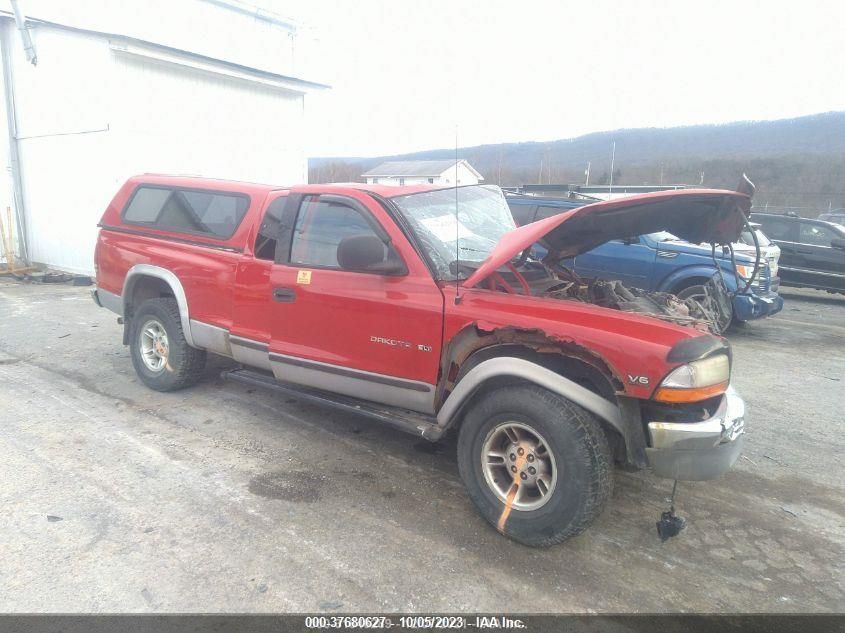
368, 254
838, 242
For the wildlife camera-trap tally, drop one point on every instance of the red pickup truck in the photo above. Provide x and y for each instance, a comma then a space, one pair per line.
424, 308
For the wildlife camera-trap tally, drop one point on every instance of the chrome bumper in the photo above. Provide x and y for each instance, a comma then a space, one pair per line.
697, 451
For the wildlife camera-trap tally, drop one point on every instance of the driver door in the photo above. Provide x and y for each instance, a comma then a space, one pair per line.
368, 335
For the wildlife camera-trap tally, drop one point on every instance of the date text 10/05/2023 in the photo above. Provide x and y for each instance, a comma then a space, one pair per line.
413, 622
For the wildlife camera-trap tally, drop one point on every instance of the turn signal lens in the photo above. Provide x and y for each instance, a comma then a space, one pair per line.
745, 271
696, 381
665, 394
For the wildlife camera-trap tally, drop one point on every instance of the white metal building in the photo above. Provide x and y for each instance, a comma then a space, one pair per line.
420, 172
205, 87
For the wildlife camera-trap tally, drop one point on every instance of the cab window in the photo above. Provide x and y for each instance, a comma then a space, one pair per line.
782, 230
320, 227
816, 234
211, 213
269, 231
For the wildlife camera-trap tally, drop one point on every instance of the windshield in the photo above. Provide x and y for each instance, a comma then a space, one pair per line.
746, 238
483, 217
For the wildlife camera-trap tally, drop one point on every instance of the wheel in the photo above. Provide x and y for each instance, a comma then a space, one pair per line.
162, 357
537, 466
698, 294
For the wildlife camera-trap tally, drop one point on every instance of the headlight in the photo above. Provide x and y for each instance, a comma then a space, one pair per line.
745, 271
695, 381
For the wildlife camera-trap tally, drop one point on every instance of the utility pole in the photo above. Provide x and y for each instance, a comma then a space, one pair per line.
499, 178
612, 162
587, 173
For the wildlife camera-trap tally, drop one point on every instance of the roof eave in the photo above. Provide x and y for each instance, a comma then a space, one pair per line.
472, 169
290, 83
402, 175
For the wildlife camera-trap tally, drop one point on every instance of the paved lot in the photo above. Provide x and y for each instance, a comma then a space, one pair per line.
221, 498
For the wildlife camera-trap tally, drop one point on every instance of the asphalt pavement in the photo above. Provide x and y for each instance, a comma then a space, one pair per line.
221, 497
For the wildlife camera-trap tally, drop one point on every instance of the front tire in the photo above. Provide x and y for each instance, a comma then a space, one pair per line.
699, 294
565, 446
160, 354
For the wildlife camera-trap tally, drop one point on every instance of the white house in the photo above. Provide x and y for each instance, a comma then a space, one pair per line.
94, 92
420, 172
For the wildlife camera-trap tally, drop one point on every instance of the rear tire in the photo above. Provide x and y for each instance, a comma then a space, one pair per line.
576, 466
161, 356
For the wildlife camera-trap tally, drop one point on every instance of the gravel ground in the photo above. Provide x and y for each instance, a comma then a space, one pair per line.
223, 498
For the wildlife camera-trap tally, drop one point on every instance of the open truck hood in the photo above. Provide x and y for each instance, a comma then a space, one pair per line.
695, 215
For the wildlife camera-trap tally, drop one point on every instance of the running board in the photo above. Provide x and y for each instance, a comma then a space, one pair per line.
409, 421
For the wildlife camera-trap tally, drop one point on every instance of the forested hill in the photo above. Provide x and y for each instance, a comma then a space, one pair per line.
794, 162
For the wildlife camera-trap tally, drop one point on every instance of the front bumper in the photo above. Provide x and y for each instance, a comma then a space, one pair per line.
698, 451
755, 306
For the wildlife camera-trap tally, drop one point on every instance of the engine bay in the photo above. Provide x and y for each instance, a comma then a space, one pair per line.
705, 312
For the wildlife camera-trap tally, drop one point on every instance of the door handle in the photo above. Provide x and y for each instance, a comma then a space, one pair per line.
284, 295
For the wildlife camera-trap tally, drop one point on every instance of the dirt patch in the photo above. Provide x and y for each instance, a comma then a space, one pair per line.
296, 486
429, 448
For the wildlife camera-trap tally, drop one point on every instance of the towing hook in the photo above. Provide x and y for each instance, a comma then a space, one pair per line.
670, 524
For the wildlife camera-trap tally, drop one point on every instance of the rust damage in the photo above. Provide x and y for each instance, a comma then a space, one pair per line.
467, 349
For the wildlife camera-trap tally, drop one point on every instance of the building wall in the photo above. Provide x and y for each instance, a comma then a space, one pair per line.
408, 180
464, 177
90, 116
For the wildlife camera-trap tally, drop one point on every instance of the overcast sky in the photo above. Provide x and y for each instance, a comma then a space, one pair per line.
405, 74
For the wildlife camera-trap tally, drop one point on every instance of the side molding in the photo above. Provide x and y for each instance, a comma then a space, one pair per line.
148, 270
531, 372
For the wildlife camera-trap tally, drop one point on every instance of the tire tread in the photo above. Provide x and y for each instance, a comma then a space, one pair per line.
190, 369
601, 484
591, 444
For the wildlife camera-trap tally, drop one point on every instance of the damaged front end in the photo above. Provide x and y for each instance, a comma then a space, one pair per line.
708, 311
699, 216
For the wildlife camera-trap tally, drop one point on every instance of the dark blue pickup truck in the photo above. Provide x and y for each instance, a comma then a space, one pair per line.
661, 262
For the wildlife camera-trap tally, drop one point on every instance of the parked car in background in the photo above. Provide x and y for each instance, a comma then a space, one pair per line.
812, 251
660, 262
768, 249
837, 216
